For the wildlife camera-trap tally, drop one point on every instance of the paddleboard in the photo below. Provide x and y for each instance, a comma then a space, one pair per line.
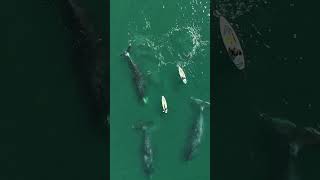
232, 43
164, 104
182, 75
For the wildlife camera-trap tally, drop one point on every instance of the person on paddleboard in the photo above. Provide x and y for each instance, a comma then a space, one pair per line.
235, 52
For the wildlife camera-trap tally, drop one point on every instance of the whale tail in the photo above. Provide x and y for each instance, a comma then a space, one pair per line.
201, 103
297, 137
285, 128
126, 53
281, 125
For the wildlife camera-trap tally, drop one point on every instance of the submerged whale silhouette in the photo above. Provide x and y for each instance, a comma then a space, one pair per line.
87, 57
137, 75
147, 152
197, 131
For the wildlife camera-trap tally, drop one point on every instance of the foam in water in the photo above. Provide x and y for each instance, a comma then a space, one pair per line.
180, 44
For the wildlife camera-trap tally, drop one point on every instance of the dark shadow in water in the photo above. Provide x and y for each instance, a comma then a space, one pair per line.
86, 59
277, 150
279, 157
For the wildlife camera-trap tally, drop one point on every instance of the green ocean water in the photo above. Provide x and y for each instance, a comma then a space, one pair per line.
279, 43
163, 34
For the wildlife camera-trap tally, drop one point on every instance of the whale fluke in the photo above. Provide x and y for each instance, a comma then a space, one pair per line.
282, 126
297, 137
201, 103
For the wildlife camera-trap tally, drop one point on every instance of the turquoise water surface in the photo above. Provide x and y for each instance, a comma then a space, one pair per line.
163, 34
